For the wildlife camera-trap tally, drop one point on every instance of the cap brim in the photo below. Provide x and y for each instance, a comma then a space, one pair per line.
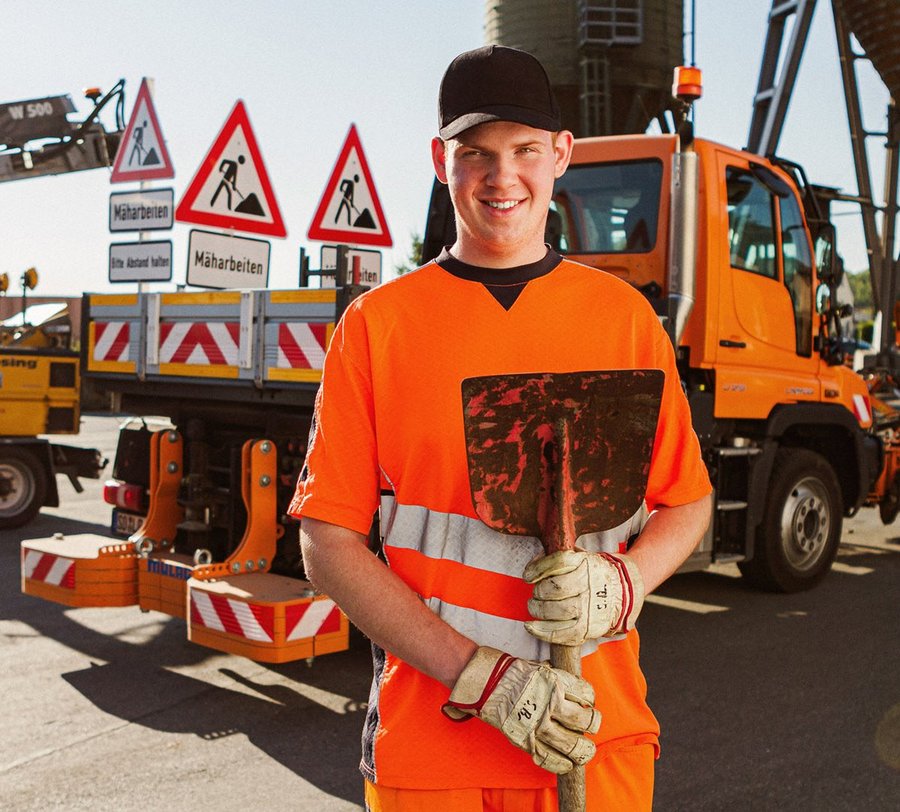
518, 115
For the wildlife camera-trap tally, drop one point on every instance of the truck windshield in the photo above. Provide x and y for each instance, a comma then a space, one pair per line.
610, 208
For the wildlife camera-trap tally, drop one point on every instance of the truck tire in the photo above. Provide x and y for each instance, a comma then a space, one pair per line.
23, 486
799, 536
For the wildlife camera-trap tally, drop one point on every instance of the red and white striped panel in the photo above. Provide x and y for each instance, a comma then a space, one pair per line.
221, 614
111, 340
203, 343
304, 620
861, 408
301, 345
48, 568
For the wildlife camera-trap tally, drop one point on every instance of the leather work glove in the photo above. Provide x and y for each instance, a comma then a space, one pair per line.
542, 710
580, 596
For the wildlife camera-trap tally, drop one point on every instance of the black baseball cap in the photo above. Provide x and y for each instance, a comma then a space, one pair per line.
495, 83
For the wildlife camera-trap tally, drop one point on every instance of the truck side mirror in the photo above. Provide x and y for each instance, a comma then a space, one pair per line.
823, 299
829, 265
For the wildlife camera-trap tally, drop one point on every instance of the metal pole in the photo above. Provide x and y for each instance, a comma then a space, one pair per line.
860, 158
888, 277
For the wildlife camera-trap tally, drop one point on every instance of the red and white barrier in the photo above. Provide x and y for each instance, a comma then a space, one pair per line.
48, 568
301, 345
251, 621
309, 619
111, 340
202, 343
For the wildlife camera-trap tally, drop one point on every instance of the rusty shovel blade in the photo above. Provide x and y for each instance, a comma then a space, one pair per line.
558, 455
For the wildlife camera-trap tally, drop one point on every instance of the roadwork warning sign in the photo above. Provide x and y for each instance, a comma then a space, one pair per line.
142, 153
231, 189
350, 211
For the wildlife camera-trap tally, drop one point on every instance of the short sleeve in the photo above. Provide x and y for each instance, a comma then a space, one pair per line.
340, 480
677, 472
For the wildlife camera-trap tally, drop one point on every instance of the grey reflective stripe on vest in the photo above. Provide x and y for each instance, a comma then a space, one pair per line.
468, 541
452, 537
500, 632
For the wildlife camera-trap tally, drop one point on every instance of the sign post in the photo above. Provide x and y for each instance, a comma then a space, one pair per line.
142, 156
366, 262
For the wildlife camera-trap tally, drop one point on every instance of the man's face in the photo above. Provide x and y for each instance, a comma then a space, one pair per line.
500, 176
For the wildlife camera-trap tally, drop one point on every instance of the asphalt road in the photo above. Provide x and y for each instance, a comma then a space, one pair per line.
766, 701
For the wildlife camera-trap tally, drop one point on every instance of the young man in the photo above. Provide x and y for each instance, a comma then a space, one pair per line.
461, 617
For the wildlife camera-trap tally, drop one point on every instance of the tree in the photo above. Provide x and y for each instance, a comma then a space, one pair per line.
861, 285
415, 256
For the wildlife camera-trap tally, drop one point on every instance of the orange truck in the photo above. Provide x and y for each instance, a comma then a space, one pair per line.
736, 255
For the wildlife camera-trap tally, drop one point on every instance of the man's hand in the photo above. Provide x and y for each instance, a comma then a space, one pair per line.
540, 709
581, 596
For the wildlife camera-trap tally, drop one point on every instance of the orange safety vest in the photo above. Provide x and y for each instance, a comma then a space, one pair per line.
389, 420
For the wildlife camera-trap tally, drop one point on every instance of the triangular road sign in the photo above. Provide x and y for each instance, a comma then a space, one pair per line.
142, 153
349, 211
231, 188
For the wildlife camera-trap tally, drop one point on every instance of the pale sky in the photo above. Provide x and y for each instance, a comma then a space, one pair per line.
306, 70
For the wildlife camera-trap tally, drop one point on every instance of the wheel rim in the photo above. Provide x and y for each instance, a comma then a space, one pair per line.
806, 524
18, 491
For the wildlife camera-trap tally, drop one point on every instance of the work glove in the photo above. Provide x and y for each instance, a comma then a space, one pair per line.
580, 596
542, 710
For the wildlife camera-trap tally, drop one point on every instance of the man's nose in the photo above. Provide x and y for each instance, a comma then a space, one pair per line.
502, 172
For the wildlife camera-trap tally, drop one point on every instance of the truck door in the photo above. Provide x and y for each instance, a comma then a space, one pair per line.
765, 333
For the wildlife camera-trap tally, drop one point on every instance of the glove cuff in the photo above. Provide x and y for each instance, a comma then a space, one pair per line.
476, 683
632, 592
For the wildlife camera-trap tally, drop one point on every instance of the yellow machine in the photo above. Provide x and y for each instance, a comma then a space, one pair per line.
39, 394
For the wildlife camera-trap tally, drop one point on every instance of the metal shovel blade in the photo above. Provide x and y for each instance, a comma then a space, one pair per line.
556, 454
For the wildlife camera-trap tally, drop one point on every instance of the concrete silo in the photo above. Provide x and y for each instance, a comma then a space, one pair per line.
610, 61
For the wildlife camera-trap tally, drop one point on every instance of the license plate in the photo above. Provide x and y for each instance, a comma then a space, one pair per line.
124, 524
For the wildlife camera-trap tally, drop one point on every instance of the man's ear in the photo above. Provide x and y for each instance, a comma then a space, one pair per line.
562, 146
439, 159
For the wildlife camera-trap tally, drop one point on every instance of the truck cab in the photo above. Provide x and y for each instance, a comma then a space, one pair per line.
754, 325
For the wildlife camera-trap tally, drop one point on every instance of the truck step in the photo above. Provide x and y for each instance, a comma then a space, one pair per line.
728, 558
730, 451
731, 504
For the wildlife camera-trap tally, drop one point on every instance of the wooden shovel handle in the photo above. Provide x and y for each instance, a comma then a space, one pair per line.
560, 535
570, 788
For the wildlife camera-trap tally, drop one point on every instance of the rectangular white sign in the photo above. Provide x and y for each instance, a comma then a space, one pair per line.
369, 266
150, 210
221, 261
140, 261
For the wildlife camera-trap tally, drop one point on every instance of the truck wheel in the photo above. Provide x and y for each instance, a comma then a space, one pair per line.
23, 486
799, 536
889, 506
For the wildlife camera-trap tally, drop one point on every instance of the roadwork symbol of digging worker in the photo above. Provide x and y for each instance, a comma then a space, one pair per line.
228, 184
149, 156
364, 218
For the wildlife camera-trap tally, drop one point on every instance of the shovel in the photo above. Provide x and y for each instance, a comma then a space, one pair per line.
558, 455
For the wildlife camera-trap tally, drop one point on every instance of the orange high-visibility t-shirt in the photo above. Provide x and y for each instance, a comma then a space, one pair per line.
389, 421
